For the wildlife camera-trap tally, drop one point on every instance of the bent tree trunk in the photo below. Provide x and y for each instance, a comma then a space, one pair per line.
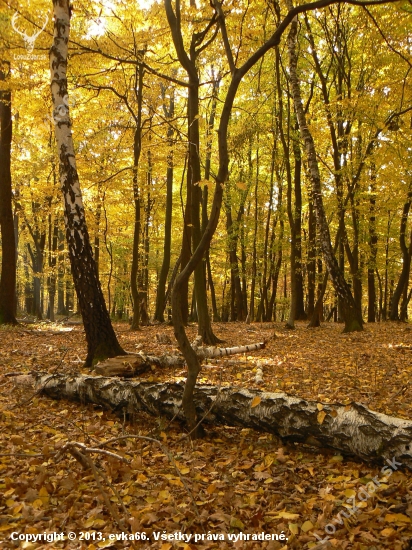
352, 316
100, 336
222, 175
353, 430
8, 242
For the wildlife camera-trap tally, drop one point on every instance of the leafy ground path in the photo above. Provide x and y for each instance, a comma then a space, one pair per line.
241, 481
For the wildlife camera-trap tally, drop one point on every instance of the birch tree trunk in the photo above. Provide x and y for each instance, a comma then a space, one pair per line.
100, 336
351, 429
352, 316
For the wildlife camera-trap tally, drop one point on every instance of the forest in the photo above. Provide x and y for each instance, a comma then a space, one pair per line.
182, 181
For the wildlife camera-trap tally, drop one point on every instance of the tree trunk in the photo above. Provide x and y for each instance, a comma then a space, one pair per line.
208, 163
221, 178
8, 242
311, 261
352, 317
353, 258
406, 296
61, 307
137, 148
100, 336
194, 178
386, 294
278, 254
37, 259
53, 238
265, 281
161, 286
285, 139
98, 216
255, 231
373, 249
353, 429
406, 299
237, 311
144, 256
300, 314
406, 264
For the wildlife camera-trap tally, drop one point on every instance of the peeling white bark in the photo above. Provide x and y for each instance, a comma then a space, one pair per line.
220, 352
353, 430
101, 339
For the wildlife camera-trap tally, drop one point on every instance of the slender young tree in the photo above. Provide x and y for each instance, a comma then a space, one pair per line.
352, 315
194, 193
137, 149
8, 243
237, 74
100, 336
406, 257
161, 287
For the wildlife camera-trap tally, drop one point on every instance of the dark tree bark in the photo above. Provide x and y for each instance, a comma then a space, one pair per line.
61, 306
100, 336
406, 296
406, 264
300, 314
277, 249
251, 316
53, 236
137, 148
264, 303
164, 271
352, 316
311, 261
208, 163
36, 253
98, 217
238, 312
8, 242
339, 129
373, 249
144, 256
51, 281
285, 140
386, 293
194, 191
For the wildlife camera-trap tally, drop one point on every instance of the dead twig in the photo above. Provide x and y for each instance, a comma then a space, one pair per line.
71, 444
87, 463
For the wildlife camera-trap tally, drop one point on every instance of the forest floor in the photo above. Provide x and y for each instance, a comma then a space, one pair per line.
232, 484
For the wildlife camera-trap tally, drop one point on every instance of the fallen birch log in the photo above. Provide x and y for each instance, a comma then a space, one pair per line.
202, 353
131, 365
353, 429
